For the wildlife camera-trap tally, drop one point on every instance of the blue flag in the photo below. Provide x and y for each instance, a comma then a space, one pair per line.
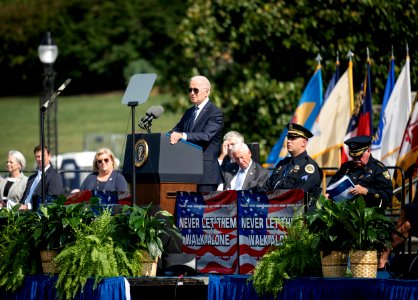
390, 83
305, 114
333, 81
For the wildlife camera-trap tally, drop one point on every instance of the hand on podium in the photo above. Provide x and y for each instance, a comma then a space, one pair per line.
175, 137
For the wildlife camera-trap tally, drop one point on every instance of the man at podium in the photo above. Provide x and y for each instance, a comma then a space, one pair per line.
201, 124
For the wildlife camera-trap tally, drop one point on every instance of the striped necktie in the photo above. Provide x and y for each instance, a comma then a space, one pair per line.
193, 118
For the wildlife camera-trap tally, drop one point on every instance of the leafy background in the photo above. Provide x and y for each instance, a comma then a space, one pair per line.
259, 55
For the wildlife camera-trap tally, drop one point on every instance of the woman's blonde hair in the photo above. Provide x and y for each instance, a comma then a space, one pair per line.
104, 151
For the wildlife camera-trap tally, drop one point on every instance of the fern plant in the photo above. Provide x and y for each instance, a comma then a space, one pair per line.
93, 254
296, 256
18, 256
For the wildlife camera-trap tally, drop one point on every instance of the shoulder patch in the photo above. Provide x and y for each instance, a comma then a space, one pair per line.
386, 174
378, 162
309, 168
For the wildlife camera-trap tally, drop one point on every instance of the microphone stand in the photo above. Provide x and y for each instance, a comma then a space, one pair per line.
42, 117
132, 105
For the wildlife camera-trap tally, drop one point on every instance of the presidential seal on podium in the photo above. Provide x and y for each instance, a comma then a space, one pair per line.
141, 152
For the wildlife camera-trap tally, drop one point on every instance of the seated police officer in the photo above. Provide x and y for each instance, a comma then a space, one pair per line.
299, 171
370, 176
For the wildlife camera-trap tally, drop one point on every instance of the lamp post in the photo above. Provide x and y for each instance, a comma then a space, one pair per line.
48, 52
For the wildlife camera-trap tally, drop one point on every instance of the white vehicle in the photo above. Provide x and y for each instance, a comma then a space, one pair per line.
74, 168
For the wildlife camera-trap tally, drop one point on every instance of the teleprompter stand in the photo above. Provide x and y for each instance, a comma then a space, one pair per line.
137, 92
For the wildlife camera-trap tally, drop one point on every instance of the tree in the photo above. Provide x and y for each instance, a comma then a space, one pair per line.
260, 54
99, 41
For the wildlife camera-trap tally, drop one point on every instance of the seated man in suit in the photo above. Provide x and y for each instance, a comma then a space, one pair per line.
53, 181
231, 138
244, 174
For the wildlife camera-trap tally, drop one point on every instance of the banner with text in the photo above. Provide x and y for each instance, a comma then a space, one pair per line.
208, 223
258, 222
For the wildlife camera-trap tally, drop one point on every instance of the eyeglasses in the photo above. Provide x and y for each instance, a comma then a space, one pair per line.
99, 161
194, 90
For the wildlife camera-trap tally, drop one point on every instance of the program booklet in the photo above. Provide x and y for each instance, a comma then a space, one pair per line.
340, 190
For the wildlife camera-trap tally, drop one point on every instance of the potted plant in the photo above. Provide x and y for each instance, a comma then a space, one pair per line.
331, 236
112, 245
144, 233
56, 228
296, 256
370, 232
94, 253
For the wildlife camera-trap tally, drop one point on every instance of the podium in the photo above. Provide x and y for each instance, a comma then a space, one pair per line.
162, 169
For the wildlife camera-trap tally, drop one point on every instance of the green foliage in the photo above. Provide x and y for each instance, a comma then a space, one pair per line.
242, 42
296, 256
369, 228
97, 40
93, 254
325, 221
349, 224
92, 245
58, 222
144, 230
259, 55
18, 256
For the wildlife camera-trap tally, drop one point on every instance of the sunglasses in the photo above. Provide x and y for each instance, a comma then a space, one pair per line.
194, 90
99, 161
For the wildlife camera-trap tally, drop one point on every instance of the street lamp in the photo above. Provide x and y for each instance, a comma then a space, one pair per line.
48, 52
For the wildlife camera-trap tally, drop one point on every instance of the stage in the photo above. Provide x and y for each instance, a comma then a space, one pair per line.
222, 287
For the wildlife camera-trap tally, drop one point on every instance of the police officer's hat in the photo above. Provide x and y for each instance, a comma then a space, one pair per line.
296, 130
357, 145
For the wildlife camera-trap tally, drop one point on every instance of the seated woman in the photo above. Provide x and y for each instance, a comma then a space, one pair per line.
12, 185
104, 176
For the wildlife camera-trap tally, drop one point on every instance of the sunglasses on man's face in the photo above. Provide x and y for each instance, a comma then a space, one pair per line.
99, 161
194, 90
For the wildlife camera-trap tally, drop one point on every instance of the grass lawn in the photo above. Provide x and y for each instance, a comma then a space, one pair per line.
80, 118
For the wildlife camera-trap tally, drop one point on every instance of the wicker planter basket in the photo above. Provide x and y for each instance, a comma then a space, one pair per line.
48, 264
363, 263
334, 264
149, 266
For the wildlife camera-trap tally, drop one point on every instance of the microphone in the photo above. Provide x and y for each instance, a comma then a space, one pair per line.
55, 95
154, 112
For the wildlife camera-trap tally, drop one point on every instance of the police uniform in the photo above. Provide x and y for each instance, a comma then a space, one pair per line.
374, 176
299, 172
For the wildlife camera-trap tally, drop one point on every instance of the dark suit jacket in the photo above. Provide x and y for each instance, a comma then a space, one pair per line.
206, 133
255, 178
53, 184
115, 183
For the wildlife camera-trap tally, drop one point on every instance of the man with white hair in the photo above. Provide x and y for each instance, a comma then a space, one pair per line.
244, 174
202, 124
231, 138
